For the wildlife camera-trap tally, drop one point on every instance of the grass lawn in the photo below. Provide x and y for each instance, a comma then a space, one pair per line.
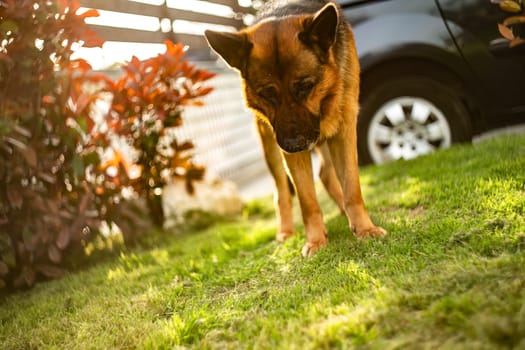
450, 274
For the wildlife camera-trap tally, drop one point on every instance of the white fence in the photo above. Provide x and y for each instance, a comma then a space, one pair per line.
224, 132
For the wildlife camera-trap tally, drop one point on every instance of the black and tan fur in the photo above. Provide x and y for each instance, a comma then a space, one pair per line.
300, 76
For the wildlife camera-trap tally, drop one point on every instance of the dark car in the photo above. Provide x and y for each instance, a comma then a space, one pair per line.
433, 73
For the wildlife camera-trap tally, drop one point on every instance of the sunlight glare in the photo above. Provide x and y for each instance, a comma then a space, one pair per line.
181, 26
119, 52
123, 20
150, 2
201, 7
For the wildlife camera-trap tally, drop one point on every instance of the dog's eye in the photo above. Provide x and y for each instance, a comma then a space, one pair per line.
302, 88
269, 93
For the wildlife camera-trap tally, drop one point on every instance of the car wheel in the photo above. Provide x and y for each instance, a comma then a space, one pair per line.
408, 117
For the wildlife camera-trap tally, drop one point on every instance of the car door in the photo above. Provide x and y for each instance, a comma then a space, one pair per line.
499, 68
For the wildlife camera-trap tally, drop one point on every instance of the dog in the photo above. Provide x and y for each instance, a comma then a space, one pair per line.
300, 76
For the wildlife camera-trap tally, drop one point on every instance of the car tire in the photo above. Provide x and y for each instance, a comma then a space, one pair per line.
406, 117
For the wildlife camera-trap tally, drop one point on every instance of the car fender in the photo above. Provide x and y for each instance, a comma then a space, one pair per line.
385, 39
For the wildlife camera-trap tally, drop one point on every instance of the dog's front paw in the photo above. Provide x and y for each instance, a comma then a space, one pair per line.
370, 232
283, 236
310, 248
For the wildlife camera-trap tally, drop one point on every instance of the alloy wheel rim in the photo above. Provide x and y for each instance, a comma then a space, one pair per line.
405, 128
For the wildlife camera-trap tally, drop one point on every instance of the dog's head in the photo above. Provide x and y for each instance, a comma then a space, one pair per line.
288, 70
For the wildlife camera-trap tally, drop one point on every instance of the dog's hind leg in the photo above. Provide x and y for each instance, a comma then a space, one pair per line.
344, 155
283, 195
328, 176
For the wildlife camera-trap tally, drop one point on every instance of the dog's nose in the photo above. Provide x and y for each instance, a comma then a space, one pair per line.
296, 144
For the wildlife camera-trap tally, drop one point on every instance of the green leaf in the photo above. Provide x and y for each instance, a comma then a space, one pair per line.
510, 6
91, 158
8, 26
82, 123
78, 166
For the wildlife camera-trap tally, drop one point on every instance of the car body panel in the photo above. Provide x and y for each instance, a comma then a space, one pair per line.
499, 68
460, 35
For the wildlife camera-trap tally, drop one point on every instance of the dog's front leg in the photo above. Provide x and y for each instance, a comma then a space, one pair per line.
300, 168
344, 155
283, 195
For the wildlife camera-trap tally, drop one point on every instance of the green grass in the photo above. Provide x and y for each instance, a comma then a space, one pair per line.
450, 274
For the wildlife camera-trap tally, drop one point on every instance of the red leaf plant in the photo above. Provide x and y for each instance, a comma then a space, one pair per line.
148, 101
60, 174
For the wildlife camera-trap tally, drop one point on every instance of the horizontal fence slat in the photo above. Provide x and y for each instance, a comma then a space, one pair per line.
124, 34
125, 6
195, 42
203, 18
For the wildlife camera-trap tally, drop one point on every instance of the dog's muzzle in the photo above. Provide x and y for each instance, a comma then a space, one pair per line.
297, 145
298, 131
298, 142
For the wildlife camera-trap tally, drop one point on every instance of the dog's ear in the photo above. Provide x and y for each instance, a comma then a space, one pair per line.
320, 30
234, 48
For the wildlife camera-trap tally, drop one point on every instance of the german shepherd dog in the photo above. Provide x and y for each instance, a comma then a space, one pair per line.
300, 76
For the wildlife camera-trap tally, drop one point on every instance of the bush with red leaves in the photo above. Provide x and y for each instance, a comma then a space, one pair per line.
60, 175
147, 104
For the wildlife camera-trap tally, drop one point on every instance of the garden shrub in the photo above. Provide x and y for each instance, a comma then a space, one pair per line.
61, 174
147, 104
